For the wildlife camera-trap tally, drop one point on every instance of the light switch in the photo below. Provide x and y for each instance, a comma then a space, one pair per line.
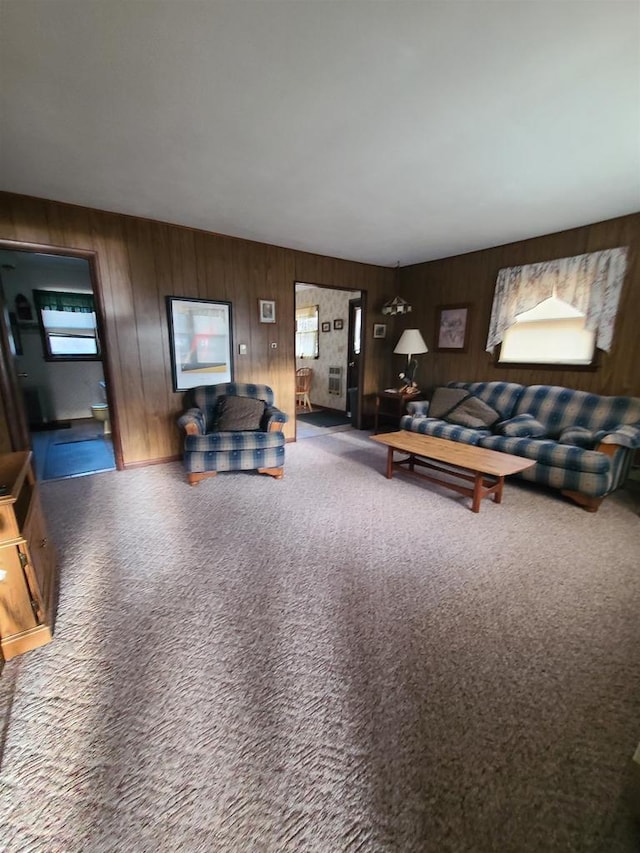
242, 349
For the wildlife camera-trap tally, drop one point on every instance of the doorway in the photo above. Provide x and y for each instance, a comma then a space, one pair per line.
329, 341
53, 329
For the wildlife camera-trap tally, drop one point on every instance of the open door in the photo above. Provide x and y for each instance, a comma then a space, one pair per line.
15, 428
354, 361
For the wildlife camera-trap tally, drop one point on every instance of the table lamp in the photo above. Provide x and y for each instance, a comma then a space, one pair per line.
411, 343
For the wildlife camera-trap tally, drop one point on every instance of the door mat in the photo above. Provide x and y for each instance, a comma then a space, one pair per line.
74, 439
324, 419
85, 457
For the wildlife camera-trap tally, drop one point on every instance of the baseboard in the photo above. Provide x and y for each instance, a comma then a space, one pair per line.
145, 462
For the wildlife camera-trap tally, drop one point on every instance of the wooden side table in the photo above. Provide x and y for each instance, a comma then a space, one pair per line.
393, 404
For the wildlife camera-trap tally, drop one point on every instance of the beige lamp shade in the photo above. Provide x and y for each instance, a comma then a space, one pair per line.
411, 343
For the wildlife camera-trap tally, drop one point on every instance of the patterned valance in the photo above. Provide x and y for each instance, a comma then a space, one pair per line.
54, 300
591, 283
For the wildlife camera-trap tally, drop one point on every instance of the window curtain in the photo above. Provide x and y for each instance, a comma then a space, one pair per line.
591, 283
53, 300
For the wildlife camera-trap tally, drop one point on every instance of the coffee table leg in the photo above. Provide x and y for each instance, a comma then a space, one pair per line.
477, 492
497, 495
389, 463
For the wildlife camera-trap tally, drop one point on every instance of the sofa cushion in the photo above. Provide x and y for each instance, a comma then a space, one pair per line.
550, 453
474, 413
522, 426
237, 414
441, 429
579, 437
559, 408
444, 400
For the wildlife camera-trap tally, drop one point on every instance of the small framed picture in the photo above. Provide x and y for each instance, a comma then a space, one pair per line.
379, 330
452, 328
338, 324
326, 326
267, 310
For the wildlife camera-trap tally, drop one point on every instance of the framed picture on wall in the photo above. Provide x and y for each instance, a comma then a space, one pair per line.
267, 310
452, 328
338, 324
326, 326
379, 330
200, 339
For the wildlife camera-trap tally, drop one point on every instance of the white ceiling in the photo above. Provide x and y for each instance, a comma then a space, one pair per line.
375, 131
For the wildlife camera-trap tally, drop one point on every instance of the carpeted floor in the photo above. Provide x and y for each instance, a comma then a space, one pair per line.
331, 662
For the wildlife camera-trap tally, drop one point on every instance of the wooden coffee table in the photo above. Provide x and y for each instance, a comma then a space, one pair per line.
486, 469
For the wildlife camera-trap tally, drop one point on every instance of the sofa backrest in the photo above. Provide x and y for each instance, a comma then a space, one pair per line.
205, 397
557, 408
501, 396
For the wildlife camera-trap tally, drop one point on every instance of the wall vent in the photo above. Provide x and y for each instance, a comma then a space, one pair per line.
335, 380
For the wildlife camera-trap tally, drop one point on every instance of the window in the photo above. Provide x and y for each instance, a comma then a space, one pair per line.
557, 312
67, 325
552, 333
307, 332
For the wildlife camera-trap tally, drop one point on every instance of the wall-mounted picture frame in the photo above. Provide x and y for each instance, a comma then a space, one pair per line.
338, 324
267, 310
201, 342
452, 328
379, 330
326, 326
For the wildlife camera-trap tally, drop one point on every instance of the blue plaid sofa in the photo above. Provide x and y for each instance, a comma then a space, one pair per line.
207, 451
584, 443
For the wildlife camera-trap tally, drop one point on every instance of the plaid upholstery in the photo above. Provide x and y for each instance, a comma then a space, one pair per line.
501, 396
609, 420
558, 408
232, 451
550, 453
442, 429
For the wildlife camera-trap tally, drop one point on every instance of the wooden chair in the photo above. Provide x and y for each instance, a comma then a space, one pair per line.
303, 386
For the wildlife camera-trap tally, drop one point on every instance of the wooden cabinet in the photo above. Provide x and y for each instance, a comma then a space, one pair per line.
27, 560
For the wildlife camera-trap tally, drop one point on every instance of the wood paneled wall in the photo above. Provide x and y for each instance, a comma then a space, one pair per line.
140, 262
471, 278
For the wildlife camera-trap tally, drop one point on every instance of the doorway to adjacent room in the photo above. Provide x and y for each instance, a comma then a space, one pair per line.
329, 341
54, 351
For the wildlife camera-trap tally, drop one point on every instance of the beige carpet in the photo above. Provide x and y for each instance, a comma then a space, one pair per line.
333, 662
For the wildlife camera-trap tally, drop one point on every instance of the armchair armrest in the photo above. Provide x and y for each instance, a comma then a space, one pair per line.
419, 408
193, 422
624, 435
273, 419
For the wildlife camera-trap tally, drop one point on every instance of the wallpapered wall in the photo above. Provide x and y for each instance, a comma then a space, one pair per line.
333, 345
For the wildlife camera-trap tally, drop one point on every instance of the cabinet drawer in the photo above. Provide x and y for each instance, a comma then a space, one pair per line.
8, 525
41, 550
17, 612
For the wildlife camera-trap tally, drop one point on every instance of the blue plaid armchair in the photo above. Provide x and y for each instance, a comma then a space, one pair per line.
209, 449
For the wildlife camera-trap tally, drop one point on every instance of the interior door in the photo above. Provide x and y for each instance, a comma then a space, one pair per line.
15, 425
354, 361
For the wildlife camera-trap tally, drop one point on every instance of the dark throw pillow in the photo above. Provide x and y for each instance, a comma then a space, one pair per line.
238, 414
522, 426
444, 400
474, 413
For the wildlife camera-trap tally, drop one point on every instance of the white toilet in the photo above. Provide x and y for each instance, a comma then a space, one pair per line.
100, 411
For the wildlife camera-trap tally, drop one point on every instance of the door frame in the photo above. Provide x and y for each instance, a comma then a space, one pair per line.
363, 297
7, 363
